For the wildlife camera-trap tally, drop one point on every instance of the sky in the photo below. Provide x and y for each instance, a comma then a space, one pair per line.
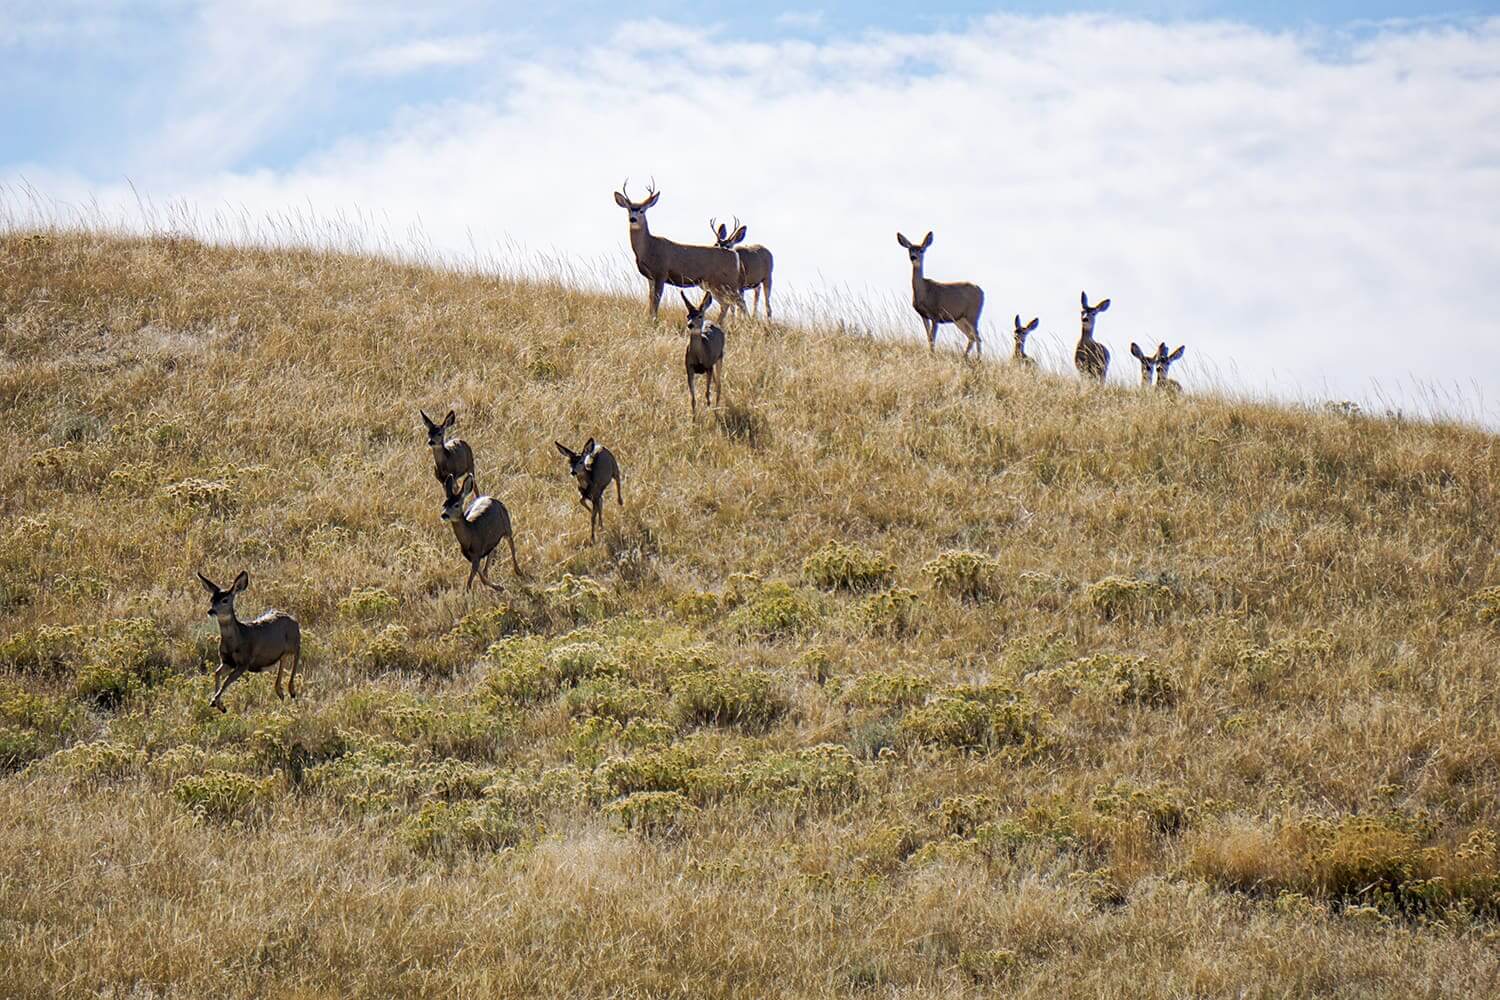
1305, 194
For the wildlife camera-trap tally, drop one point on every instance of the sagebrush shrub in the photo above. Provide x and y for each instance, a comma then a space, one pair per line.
968, 724
1122, 597
368, 604
888, 689
891, 613
728, 696
969, 576
447, 829
775, 611
837, 566
224, 795
652, 813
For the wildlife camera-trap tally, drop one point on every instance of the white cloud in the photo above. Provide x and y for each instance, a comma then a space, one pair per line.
1308, 212
800, 20
427, 53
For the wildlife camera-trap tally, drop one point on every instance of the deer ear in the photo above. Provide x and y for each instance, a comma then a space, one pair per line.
469, 484
1084, 298
651, 200
686, 301
723, 231
448, 487
450, 419
588, 446
240, 583
426, 419
621, 200
928, 241
209, 585
1018, 322
708, 299
1033, 324
903, 241
739, 234
565, 452
1177, 353
1136, 350
1102, 306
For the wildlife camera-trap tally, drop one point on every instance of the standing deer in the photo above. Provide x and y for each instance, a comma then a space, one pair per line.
1148, 362
478, 528
663, 262
755, 262
1163, 362
1019, 356
250, 646
1091, 358
939, 302
450, 459
705, 352
592, 469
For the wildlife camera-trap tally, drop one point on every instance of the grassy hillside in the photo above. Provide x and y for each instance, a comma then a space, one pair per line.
1100, 694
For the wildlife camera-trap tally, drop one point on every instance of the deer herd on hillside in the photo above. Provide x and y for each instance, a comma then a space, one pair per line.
725, 270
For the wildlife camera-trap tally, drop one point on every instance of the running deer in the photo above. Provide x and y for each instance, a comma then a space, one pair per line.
755, 262
1148, 362
478, 528
1091, 358
939, 302
450, 459
1023, 331
250, 646
663, 262
705, 352
592, 469
1163, 362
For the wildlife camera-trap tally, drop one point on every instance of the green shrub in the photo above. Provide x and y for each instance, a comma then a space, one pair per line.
1122, 597
448, 829
368, 604
19, 747
224, 795
969, 576
1161, 808
579, 598
610, 698
889, 690
892, 613
388, 649
1264, 666
827, 772
484, 626
775, 611
100, 761
593, 737
962, 815
837, 566
652, 813
696, 607
210, 495
46, 650
727, 696
968, 724
1123, 679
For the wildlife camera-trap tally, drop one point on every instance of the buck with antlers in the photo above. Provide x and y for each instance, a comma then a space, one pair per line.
755, 261
940, 302
664, 263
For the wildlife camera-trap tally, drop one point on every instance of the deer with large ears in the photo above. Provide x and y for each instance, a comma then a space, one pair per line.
450, 459
755, 262
479, 527
1091, 358
705, 352
1163, 362
592, 469
1019, 356
938, 302
662, 262
274, 637
1148, 362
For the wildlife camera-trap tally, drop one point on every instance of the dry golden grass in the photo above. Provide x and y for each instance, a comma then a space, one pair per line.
1111, 695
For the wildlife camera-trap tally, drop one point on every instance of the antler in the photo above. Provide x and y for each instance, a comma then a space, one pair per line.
713, 226
625, 188
652, 189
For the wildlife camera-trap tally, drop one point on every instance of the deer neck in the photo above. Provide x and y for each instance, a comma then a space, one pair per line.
233, 635
1088, 332
1019, 353
641, 241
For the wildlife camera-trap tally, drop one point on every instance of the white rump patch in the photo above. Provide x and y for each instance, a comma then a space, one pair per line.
477, 508
588, 457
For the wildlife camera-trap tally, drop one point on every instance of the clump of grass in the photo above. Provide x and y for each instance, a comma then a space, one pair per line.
889, 689
1128, 680
209, 495
965, 722
775, 611
891, 613
728, 696
827, 773
837, 566
103, 760
1137, 600
579, 599
652, 813
696, 607
1485, 606
962, 815
444, 829
1162, 808
969, 576
368, 604
224, 796
483, 626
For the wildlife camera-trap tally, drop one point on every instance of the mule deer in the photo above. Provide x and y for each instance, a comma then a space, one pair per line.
1163, 362
250, 646
939, 302
705, 352
1091, 358
1023, 331
755, 262
592, 469
1148, 362
450, 459
663, 262
478, 528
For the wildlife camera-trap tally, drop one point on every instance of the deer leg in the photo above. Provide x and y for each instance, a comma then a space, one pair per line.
930, 328
972, 332
473, 568
280, 662
291, 681
486, 580
693, 395
767, 284
230, 678
513, 564
619, 498
657, 286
